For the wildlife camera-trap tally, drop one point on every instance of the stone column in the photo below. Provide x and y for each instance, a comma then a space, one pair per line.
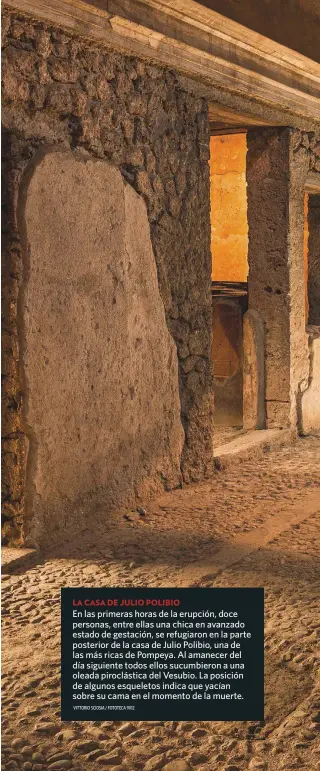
277, 165
314, 259
253, 371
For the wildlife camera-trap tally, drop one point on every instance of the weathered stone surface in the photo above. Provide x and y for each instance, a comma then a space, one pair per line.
126, 728
227, 354
314, 259
277, 167
103, 404
177, 765
111, 759
264, 515
59, 89
87, 746
310, 399
155, 763
253, 371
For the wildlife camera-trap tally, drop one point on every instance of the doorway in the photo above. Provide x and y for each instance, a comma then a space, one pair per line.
229, 249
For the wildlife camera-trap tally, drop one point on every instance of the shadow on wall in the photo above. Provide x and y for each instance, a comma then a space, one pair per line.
100, 367
227, 360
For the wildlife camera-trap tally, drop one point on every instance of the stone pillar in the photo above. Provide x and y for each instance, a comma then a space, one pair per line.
14, 441
314, 259
253, 371
277, 165
310, 399
227, 348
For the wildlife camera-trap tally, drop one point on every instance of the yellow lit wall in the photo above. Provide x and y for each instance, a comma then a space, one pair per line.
229, 227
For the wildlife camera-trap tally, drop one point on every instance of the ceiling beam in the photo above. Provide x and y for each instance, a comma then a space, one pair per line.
196, 42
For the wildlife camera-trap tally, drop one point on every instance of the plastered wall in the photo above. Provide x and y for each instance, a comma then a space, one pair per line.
100, 366
229, 228
59, 90
278, 163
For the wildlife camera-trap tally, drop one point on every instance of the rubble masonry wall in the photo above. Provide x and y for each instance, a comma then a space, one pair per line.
64, 92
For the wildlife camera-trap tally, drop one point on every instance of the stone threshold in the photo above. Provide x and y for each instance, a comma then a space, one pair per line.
247, 444
242, 545
250, 443
14, 558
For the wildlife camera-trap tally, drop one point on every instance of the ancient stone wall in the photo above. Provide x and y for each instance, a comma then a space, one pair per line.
278, 162
314, 259
254, 408
309, 406
62, 91
227, 357
100, 365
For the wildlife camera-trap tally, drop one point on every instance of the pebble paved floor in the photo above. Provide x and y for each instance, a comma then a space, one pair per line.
255, 524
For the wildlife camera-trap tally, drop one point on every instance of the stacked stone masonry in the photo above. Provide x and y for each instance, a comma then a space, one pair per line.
278, 162
63, 92
67, 93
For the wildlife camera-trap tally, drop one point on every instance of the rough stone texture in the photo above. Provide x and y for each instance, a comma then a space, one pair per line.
305, 251
278, 161
64, 91
100, 366
314, 259
253, 371
310, 399
227, 355
257, 525
238, 445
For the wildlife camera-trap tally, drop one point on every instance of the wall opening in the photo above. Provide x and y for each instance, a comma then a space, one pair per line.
305, 253
229, 249
312, 258
309, 414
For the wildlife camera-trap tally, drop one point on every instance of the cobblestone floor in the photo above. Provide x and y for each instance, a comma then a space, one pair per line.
256, 524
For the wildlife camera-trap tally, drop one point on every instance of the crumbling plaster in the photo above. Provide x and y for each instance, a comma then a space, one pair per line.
278, 162
253, 371
102, 407
152, 124
309, 405
60, 90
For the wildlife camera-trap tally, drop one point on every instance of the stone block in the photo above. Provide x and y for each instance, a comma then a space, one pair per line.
154, 125
253, 371
310, 400
276, 177
102, 371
